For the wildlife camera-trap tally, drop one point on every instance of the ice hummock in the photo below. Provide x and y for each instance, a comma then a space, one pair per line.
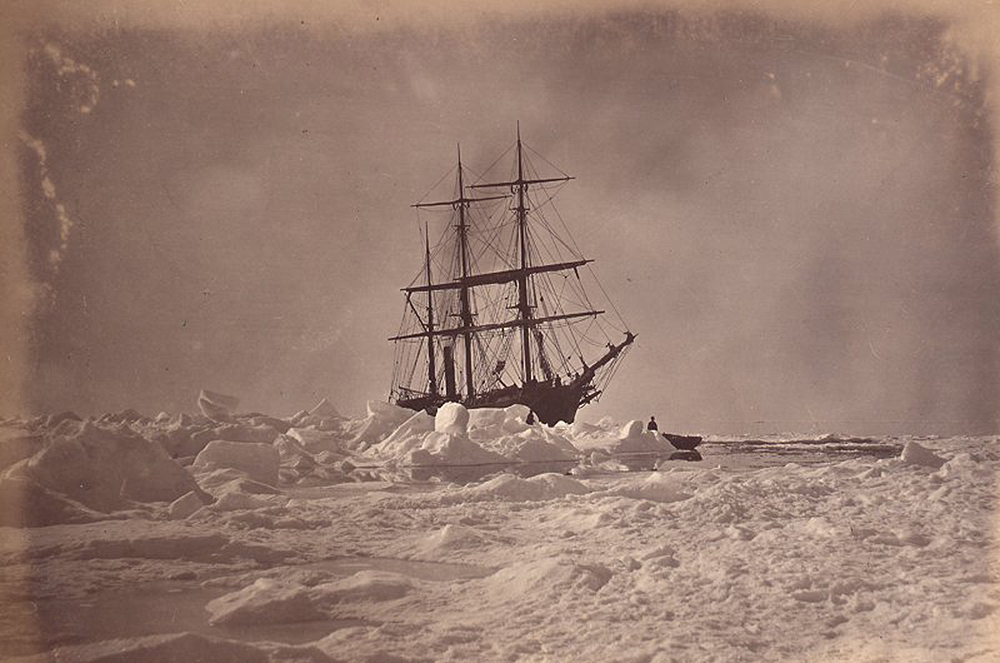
83, 468
216, 406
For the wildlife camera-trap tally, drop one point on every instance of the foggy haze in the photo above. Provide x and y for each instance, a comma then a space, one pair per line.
796, 220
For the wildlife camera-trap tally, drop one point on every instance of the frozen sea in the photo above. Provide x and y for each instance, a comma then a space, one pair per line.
398, 537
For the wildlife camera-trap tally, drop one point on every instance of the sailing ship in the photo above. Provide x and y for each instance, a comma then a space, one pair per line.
497, 314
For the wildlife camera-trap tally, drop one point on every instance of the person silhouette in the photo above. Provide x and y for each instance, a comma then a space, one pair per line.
652, 424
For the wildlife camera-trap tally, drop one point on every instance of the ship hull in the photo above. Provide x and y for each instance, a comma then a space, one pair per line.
683, 442
551, 402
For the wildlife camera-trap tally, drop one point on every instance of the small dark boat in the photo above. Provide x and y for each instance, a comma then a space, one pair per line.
683, 442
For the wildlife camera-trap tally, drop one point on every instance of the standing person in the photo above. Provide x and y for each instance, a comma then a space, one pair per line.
652, 424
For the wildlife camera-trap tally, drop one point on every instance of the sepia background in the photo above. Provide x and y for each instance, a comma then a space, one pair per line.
795, 211
793, 206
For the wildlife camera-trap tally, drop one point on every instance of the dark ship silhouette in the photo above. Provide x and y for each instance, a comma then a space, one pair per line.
498, 315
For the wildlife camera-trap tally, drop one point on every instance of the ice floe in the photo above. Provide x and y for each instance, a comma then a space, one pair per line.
304, 539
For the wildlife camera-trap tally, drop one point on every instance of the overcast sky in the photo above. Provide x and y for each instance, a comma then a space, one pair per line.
797, 220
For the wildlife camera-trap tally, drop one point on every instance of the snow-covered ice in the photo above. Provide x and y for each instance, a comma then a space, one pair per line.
258, 461
231, 537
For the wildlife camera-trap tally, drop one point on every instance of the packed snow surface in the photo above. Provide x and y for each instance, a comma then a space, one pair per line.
398, 536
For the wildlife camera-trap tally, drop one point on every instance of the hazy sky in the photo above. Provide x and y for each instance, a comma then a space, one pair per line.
797, 220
